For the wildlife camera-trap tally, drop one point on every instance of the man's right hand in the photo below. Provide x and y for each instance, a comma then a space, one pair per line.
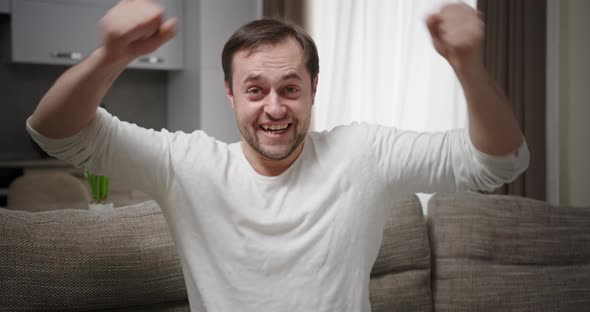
133, 28
130, 29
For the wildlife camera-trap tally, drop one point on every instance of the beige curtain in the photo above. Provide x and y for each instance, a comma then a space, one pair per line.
515, 55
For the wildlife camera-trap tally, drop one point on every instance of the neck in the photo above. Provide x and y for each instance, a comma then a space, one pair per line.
269, 167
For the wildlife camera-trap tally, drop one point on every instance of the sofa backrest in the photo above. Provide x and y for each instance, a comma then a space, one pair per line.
79, 260
400, 279
508, 253
125, 260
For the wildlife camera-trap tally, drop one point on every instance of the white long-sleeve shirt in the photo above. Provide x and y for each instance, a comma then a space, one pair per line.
305, 240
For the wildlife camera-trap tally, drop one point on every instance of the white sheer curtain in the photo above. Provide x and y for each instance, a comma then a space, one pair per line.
377, 64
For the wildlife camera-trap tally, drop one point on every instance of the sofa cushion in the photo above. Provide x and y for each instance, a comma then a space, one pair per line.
500, 253
80, 260
400, 278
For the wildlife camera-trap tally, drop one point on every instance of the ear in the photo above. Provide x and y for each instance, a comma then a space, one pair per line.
314, 88
229, 94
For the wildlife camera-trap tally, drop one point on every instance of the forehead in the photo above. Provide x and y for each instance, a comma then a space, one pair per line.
270, 61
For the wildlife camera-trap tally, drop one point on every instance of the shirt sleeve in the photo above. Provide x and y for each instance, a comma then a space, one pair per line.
130, 154
443, 161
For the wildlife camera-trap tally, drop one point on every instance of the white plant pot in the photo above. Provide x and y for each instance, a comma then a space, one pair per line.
101, 206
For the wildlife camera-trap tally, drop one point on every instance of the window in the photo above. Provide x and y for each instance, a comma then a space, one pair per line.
377, 64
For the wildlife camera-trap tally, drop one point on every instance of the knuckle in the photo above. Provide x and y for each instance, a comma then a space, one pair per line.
106, 28
154, 10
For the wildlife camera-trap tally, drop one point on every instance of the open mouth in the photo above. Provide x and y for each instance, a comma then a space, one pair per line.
275, 129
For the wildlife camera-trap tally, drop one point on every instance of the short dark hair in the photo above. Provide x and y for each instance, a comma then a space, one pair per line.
268, 31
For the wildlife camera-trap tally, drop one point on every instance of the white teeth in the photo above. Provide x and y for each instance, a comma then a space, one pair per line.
275, 127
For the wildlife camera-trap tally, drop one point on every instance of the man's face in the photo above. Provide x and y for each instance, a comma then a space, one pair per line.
272, 97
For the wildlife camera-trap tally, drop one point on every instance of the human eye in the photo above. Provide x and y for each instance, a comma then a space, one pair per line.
291, 90
254, 91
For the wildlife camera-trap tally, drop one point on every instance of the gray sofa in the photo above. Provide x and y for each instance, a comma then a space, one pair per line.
471, 253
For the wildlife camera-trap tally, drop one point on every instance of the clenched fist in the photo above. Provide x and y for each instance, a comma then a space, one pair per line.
133, 28
457, 33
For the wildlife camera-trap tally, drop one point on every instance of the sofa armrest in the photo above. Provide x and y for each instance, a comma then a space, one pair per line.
498, 253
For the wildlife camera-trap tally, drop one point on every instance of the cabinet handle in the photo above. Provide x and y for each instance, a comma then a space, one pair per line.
152, 60
76, 56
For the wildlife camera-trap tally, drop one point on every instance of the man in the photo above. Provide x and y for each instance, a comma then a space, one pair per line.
286, 219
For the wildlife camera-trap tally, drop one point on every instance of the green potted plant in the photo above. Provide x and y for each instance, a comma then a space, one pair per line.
99, 187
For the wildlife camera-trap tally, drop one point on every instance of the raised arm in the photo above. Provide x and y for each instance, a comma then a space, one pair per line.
490, 153
457, 33
130, 29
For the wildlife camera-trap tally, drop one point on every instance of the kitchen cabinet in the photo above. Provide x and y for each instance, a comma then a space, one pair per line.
4, 6
66, 31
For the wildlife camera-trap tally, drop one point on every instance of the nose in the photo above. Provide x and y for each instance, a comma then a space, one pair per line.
274, 106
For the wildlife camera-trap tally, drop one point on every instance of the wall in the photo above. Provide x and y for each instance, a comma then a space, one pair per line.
575, 103
196, 96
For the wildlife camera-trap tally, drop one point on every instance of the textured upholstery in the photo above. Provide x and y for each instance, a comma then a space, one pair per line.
489, 253
80, 260
124, 260
400, 279
501, 253
47, 190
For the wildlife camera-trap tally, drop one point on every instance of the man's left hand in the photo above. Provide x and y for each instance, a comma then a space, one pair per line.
457, 32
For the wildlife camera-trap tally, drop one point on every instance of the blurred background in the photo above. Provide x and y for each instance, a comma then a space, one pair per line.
376, 65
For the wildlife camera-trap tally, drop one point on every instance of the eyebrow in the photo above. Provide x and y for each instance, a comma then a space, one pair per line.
257, 77
291, 75
253, 77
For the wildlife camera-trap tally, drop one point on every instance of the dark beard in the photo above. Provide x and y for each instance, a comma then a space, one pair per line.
251, 141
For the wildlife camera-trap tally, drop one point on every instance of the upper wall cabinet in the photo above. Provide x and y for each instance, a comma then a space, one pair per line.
66, 31
4, 6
